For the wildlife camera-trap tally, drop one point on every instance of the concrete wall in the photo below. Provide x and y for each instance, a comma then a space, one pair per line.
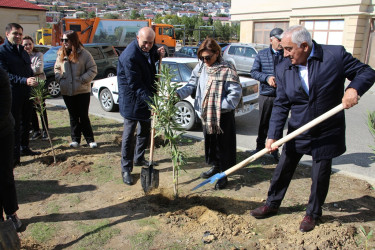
30, 20
357, 15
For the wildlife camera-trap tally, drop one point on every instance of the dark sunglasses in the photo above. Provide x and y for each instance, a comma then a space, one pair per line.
207, 58
64, 40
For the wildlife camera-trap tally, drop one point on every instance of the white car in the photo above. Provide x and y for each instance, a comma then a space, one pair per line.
106, 91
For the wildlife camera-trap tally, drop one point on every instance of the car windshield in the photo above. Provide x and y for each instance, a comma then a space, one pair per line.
51, 54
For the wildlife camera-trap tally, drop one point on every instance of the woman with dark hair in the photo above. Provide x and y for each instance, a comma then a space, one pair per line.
75, 68
37, 66
217, 91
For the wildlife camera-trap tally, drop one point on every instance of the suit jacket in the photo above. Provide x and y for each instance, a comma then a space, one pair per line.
263, 68
17, 63
328, 68
136, 81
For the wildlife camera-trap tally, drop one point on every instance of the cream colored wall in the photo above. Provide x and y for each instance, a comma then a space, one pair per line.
30, 20
357, 15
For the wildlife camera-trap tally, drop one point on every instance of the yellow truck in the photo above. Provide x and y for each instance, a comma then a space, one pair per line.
43, 36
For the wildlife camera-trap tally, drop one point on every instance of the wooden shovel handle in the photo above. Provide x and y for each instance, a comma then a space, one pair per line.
286, 138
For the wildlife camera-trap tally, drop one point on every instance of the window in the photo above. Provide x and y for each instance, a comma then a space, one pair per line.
185, 70
325, 31
109, 51
250, 52
262, 31
174, 71
76, 27
95, 52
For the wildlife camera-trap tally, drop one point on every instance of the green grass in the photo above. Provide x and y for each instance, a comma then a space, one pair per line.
148, 222
143, 239
43, 232
96, 235
53, 208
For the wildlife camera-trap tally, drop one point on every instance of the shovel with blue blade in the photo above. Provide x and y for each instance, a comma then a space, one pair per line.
277, 143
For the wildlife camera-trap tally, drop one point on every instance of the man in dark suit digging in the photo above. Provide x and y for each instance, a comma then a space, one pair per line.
310, 82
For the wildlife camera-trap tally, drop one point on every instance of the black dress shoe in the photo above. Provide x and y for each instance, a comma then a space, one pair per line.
264, 212
212, 171
28, 151
127, 178
144, 163
307, 224
222, 183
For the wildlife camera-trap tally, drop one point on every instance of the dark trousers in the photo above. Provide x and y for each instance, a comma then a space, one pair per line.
34, 118
265, 110
8, 195
220, 149
78, 108
128, 152
320, 176
21, 111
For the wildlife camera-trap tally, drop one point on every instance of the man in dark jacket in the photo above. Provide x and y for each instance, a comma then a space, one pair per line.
8, 195
310, 81
16, 62
263, 70
136, 83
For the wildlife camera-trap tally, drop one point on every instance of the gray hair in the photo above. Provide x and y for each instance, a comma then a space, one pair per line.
299, 35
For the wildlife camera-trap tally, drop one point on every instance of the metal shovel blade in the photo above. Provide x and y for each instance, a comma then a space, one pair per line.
149, 178
211, 180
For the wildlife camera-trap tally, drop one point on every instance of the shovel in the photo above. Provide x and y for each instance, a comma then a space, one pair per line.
278, 143
149, 175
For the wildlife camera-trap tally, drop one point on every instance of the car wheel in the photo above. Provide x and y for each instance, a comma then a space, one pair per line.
110, 73
106, 100
185, 115
53, 87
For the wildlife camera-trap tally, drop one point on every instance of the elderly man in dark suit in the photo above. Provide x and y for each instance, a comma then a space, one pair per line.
310, 82
136, 83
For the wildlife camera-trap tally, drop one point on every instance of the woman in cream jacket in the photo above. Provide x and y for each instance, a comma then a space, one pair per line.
75, 68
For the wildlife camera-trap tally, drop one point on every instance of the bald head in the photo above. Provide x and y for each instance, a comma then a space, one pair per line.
145, 38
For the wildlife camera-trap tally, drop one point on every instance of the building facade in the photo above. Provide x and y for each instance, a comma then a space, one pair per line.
344, 22
30, 16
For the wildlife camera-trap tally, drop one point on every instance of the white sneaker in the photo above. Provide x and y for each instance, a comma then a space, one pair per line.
93, 145
74, 144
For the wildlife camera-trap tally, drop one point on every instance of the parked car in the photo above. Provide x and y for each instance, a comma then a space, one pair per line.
42, 48
241, 55
187, 52
105, 57
106, 91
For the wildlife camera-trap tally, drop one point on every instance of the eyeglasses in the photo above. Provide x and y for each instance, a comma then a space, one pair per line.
207, 58
64, 40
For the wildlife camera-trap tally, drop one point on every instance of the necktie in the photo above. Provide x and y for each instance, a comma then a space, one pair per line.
276, 61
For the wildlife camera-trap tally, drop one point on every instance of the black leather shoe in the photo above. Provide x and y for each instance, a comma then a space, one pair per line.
307, 224
28, 151
143, 163
221, 184
212, 171
276, 155
127, 178
264, 212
